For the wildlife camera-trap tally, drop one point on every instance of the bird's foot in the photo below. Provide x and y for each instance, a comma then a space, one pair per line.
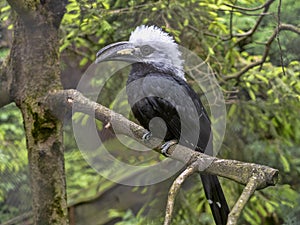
147, 136
164, 148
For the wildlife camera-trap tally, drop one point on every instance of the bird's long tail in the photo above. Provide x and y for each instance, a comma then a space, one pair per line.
216, 198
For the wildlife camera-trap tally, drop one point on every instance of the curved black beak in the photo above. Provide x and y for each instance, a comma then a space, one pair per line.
120, 51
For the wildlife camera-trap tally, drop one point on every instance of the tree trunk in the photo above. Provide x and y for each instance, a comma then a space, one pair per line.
34, 66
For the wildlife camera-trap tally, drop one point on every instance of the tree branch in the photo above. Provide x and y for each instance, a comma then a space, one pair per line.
174, 191
249, 33
250, 9
66, 100
5, 84
128, 9
241, 202
253, 175
243, 10
277, 30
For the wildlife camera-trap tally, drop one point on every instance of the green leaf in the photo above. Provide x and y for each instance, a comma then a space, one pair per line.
5, 9
83, 61
252, 95
186, 22
232, 110
262, 78
285, 163
211, 51
106, 5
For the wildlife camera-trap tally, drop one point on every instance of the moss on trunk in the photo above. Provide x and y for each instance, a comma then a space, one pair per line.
34, 65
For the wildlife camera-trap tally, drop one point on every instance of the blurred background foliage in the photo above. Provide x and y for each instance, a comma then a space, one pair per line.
263, 103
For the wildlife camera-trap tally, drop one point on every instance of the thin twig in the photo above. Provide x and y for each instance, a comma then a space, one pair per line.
256, 25
241, 202
245, 13
277, 36
260, 63
243, 71
250, 9
231, 23
250, 32
276, 31
174, 191
126, 10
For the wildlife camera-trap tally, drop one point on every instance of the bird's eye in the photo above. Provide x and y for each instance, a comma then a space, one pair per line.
146, 50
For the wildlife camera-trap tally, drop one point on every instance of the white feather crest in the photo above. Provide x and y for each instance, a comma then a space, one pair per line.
161, 40
150, 33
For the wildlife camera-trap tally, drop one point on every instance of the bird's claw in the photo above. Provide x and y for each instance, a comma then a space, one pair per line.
164, 148
147, 136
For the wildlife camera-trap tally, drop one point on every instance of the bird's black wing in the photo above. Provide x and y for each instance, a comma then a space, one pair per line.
177, 104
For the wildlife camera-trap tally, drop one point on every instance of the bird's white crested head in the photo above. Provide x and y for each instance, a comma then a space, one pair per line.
150, 33
166, 53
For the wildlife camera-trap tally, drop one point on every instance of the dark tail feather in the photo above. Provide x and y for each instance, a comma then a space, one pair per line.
216, 198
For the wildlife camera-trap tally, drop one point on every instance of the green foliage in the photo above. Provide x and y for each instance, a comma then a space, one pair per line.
128, 218
4, 11
14, 189
263, 104
268, 206
13, 149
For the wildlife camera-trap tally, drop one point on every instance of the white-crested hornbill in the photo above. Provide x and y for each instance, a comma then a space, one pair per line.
163, 102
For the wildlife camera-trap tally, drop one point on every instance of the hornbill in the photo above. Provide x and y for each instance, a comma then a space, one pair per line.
164, 103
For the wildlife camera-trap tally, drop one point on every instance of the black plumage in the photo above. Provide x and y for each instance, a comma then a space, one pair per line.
157, 91
152, 83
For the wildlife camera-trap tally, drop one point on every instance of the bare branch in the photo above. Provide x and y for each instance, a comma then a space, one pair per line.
281, 27
243, 70
253, 175
128, 9
174, 191
250, 9
250, 32
5, 84
241, 172
277, 38
289, 27
243, 199
254, 28
257, 180
276, 31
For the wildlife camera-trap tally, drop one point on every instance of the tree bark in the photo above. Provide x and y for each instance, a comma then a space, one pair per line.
34, 67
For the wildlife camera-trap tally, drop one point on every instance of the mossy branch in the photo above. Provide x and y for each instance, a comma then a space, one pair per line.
252, 175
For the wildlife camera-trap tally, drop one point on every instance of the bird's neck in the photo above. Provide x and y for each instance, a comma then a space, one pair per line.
140, 70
